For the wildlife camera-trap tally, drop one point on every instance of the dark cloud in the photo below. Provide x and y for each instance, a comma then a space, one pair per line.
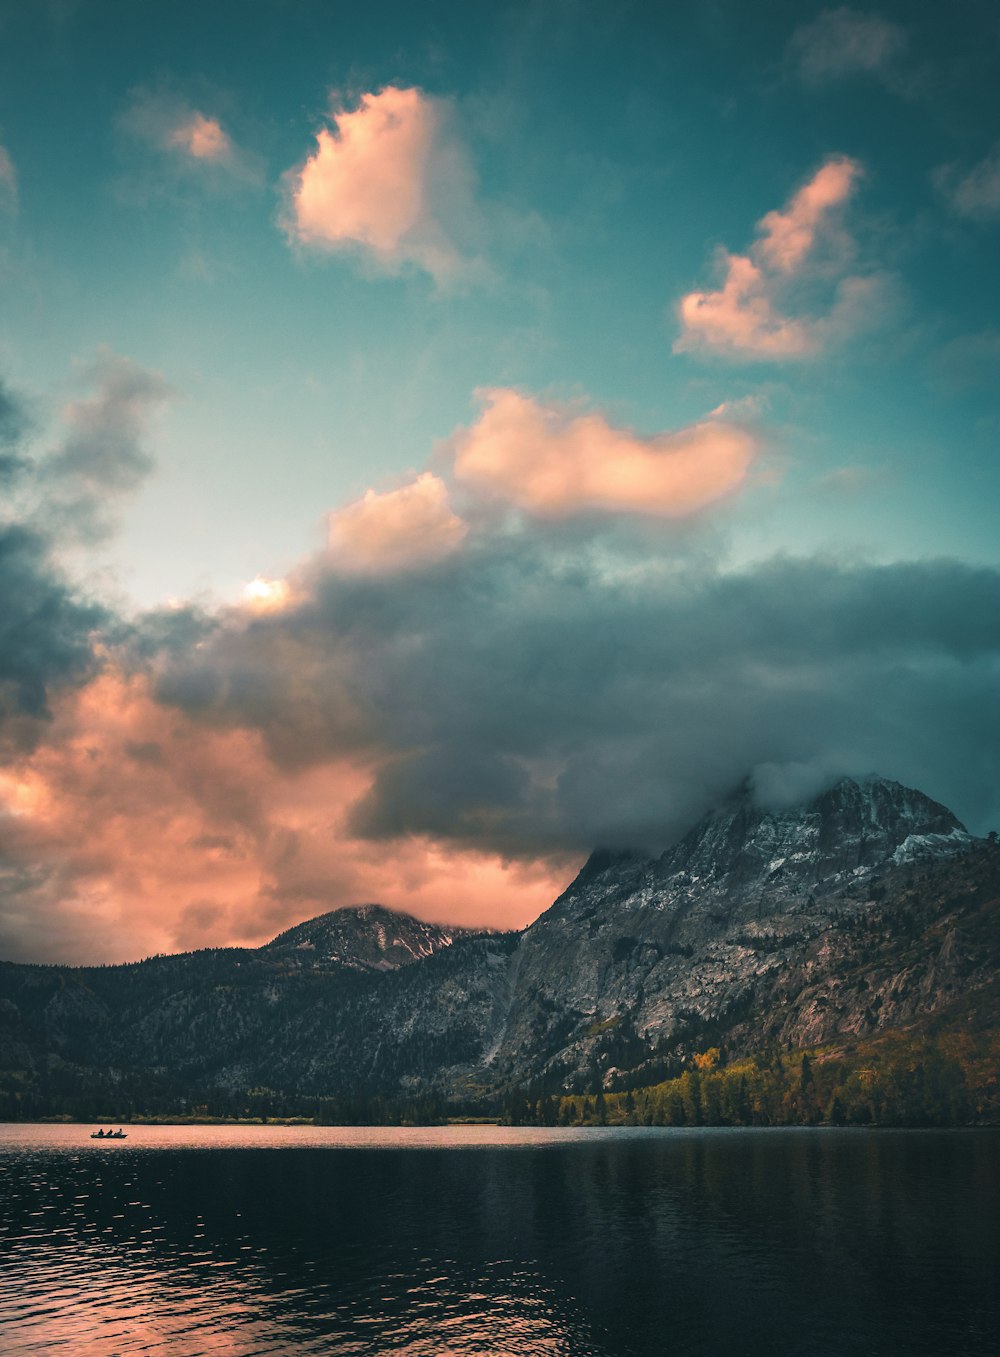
516, 700
45, 627
103, 458
45, 631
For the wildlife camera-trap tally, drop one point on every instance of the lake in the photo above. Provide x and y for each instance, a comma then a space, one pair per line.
241, 1241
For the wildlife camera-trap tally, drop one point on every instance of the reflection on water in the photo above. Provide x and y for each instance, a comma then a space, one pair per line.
486, 1240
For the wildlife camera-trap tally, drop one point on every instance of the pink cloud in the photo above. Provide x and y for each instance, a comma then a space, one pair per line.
147, 831
389, 178
756, 312
551, 462
741, 318
788, 236
386, 532
202, 138
187, 140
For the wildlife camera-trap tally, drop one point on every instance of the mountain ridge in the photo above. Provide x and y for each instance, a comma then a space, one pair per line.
750, 928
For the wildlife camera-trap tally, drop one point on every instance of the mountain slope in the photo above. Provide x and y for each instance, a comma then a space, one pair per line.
695, 932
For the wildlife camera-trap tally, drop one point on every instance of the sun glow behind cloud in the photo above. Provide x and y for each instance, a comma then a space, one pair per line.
265, 596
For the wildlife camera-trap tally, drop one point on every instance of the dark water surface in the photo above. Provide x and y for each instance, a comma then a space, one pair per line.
485, 1240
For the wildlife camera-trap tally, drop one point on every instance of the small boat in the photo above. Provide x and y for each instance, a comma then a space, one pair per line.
108, 1135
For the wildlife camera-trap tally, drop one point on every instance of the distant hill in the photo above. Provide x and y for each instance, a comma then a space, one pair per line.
862, 926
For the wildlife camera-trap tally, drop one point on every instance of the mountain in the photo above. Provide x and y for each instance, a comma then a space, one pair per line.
866, 911
363, 937
691, 935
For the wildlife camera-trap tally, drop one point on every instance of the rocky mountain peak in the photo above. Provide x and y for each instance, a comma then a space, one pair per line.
362, 937
852, 827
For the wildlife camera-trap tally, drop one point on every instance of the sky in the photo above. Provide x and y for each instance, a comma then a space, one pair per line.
437, 441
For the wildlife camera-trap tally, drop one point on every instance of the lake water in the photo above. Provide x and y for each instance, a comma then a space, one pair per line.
185, 1241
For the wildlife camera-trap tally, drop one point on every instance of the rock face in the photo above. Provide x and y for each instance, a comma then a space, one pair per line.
658, 943
865, 908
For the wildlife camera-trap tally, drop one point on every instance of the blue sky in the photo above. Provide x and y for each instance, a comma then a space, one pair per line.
221, 331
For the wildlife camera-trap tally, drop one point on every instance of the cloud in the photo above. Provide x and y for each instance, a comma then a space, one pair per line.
45, 634
447, 719
974, 193
453, 741
400, 528
787, 237
103, 457
50, 636
202, 138
841, 43
764, 309
528, 700
8, 179
46, 629
390, 179
187, 141
970, 360
554, 463
134, 829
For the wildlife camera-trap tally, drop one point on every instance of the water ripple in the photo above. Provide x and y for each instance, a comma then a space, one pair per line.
196, 1242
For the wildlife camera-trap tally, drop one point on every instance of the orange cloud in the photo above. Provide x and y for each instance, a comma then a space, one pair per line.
146, 831
389, 178
787, 237
187, 141
553, 463
391, 531
202, 138
753, 314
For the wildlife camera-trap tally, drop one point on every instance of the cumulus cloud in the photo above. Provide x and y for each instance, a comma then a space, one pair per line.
788, 237
973, 193
763, 310
397, 529
187, 140
390, 179
554, 463
840, 43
